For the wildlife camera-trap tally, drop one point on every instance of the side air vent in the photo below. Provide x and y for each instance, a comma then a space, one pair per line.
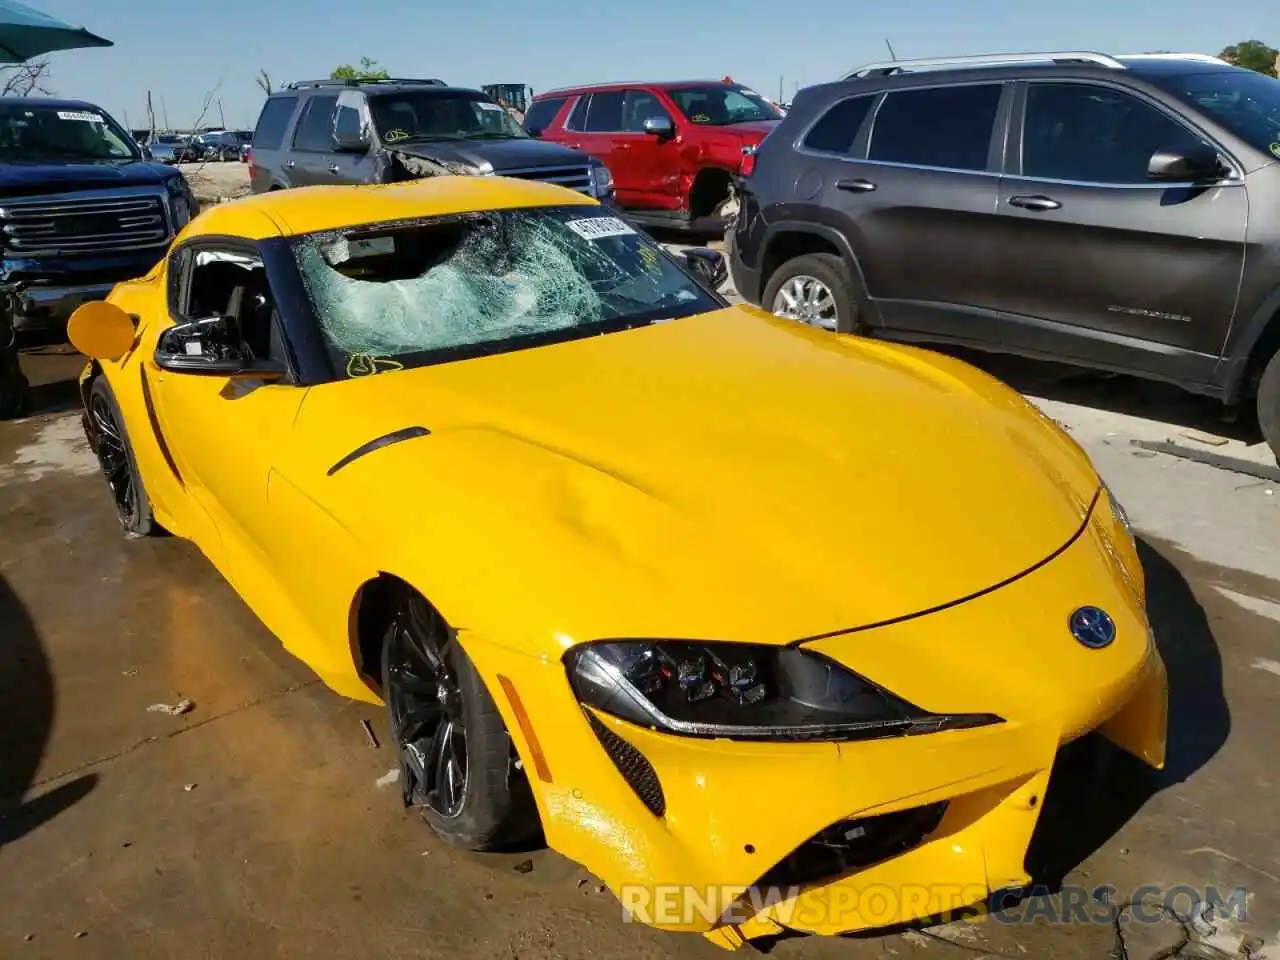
631, 763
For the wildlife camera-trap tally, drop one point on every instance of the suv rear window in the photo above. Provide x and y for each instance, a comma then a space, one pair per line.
542, 113
945, 127
315, 129
273, 122
839, 126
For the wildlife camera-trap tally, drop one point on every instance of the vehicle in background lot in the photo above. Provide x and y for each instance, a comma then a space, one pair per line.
1121, 213
382, 131
80, 208
223, 145
164, 147
674, 148
513, 96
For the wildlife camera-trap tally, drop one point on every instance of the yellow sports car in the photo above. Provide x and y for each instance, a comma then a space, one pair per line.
766, 627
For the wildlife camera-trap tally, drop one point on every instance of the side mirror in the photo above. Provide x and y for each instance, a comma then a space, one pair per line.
534, 132
212, 346
1185, 166
101, 330
708, 265
350, 141
660, 127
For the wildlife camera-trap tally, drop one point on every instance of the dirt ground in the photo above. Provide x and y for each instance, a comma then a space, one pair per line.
216, 182
254, 826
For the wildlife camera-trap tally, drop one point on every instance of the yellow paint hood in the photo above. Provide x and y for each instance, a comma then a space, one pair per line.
729, 476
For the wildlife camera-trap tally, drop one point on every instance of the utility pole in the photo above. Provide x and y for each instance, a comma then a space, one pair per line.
222, 117
780, 79
892, 55
151, 118
164, 113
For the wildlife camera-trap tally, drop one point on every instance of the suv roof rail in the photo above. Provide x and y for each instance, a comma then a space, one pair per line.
885, 68
356, 82
1195, 57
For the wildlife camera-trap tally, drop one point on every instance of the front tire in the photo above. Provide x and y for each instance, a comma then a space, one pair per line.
119, 468
1268, 401
817, 289
457, 763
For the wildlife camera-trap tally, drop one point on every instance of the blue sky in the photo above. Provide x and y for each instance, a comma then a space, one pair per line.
181, 49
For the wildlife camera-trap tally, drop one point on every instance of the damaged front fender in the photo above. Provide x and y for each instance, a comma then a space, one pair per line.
395, 166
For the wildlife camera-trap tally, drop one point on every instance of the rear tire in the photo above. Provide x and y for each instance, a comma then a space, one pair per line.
814, 277
457, 762
1268, 401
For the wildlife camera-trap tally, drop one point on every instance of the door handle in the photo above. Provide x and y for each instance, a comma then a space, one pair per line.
1036, 202
855, 186
288, 164
333, 168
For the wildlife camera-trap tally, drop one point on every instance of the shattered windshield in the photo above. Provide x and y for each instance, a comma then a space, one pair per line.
39, 133
440, 115
1246, 103
405, 294
718, 106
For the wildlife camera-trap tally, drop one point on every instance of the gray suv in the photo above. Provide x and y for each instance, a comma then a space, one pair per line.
1121, 213
367, 131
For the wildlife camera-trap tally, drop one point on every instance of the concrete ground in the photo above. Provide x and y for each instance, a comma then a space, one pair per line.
254, 825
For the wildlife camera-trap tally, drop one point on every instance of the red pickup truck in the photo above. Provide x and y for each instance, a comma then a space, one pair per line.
673, 148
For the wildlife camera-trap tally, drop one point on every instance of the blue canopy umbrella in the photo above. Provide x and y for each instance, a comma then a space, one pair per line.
26, 34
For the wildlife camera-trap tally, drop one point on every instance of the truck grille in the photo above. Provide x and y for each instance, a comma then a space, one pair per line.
83, 225
575, 178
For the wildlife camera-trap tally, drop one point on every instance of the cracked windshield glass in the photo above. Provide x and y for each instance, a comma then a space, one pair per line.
427, 115
37, 133
402, 295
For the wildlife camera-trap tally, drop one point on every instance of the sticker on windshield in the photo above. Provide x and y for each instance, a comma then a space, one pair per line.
79, 115
1275, 149
598, 228
370, 246
492, 107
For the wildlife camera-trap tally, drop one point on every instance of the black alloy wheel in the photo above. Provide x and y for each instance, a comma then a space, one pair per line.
424, 703
457, 763
115, 458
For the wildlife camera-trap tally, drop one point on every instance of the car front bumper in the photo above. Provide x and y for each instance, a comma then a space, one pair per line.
48, 307
684, 830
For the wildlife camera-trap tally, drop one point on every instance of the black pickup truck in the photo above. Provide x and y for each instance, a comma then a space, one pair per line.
82, 207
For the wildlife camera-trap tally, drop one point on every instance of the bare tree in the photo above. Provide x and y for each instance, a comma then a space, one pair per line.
25, 79
263, 80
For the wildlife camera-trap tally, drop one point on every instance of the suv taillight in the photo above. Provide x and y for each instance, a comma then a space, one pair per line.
748, 161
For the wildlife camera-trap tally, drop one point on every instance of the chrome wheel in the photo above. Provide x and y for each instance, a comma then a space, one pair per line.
113, 458
808, 300
424, 703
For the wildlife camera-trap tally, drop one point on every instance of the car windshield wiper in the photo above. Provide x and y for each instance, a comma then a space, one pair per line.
497, 136
427, 138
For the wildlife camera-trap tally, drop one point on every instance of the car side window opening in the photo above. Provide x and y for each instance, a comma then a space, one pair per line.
605, 113
839, 126
578, 118
639, 106
315, 129
393, 295
351, 116
944, 127
232, 283
542, 114
1093, 134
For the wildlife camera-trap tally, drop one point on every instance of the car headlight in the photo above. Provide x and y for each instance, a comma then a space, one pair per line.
742, 691
181, 208
601, 180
